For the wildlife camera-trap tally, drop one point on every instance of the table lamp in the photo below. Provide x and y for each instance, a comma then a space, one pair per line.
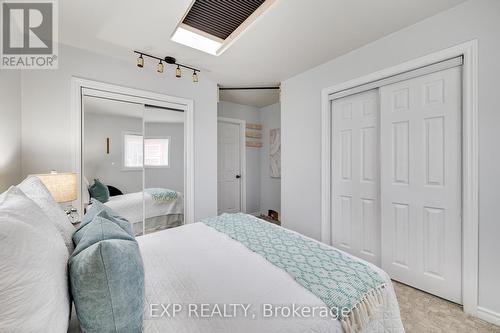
62, 187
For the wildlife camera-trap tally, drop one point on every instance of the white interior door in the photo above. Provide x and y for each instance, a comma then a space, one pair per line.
228, 167
355, 179
421, 182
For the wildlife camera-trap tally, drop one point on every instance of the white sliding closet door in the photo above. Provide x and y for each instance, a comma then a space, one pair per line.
421, 182
355, 178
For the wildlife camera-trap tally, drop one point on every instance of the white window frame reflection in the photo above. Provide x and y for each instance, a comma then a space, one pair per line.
143, 165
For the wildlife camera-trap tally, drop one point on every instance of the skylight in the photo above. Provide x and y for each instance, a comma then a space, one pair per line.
212, 26
196, 41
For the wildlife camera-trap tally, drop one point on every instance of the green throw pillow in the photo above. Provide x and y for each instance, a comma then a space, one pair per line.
98, 209
99, 191
107, 279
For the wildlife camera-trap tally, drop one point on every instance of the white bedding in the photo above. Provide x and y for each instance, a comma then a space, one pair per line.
196, 264
130, 206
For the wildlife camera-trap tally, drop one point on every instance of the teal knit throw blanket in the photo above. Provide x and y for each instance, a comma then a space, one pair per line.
340, 281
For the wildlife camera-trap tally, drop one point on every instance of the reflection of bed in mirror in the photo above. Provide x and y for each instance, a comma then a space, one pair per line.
136, 153
160, 213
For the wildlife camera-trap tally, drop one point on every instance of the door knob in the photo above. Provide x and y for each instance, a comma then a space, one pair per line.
238, 176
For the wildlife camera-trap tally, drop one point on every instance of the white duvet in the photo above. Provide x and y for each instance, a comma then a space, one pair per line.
195, 264
130, 206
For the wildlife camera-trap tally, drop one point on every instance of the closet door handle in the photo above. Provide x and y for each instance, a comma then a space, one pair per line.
238, 176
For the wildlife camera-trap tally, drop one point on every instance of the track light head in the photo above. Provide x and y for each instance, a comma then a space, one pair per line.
195, 77
160, 67
178, 72
140, 61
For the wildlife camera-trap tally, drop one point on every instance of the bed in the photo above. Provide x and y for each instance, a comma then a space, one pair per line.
218, 263
196, 264
160, 214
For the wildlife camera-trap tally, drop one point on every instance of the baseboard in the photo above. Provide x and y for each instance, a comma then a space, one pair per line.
488, 315
255, 213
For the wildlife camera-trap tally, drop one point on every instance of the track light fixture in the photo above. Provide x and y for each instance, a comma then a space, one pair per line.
160, 68
140, 61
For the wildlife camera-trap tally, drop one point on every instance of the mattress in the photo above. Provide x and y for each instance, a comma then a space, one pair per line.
195, 267
157, 223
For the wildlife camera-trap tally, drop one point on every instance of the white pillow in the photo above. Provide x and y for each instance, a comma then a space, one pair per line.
33, 269
36, 191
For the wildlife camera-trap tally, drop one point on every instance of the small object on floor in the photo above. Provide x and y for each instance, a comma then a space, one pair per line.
273, 214
269, 219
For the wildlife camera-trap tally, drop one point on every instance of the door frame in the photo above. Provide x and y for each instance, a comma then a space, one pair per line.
79, 85
243, 159
470, 156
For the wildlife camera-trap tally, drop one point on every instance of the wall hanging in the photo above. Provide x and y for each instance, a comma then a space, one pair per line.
254, 134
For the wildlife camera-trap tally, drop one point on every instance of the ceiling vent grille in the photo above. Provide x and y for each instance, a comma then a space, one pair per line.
220, 18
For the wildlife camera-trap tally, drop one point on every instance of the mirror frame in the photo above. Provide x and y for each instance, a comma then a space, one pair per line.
84, 87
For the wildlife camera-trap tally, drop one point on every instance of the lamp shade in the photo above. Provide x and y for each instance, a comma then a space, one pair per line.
62, 186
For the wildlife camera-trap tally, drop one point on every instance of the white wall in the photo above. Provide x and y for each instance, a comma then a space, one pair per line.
270, 188
108, 168
173, 176
10, 128
251, 115
301, 121
49, 140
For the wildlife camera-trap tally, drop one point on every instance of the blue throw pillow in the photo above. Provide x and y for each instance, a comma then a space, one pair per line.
99, 191
97, 208
107, 279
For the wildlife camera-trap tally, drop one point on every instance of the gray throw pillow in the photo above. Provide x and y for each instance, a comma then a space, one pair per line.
107, 279
99, 191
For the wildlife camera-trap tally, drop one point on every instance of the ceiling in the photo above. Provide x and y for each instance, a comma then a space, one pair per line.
132, 110
258, 98
289, 38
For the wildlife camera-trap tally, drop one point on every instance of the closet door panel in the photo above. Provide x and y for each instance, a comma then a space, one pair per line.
164, 167
421, 182
355, 175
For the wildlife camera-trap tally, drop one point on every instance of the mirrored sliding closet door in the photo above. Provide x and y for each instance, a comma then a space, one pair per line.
133, 161
163, 168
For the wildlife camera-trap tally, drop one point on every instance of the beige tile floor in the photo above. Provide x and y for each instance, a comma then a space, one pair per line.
425, 313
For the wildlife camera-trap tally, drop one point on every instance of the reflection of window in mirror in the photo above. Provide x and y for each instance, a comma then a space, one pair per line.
132, 151
156, 151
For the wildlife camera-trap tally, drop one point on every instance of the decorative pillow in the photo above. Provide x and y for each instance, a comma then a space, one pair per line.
33, 268
36, 191
99, 191
97, 208
113, 191
107, 279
